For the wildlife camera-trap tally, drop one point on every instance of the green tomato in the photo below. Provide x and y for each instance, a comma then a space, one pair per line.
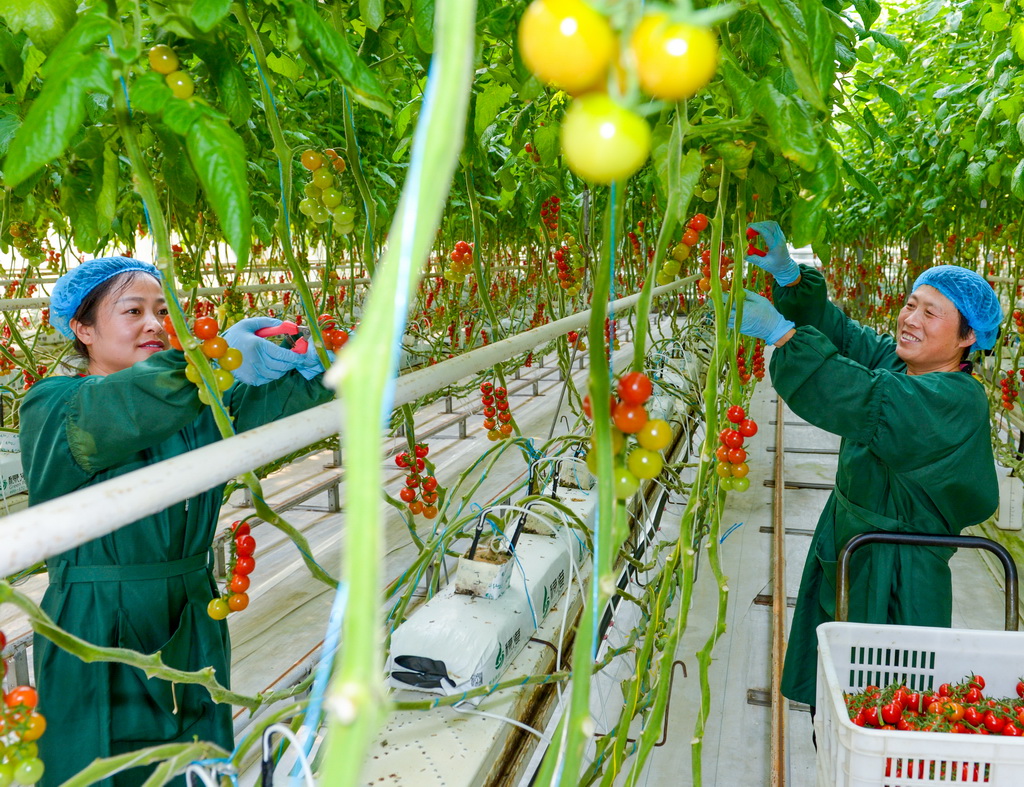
307, 206
331, 198
344, 215
204, 396
345, 229
602, 141
322, 178
6, 774
709, 195
643, 463
312, 191
724, 470
624, 483
224, 378
740, 484
672, 267
726, 484
592, 461
29, 771
320, 214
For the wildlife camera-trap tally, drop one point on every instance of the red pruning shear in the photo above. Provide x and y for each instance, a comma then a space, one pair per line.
752, 235
288, 328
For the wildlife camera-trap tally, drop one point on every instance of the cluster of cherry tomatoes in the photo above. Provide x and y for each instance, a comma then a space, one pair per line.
959, 707
334, 337
732, 468
725, 271
532, 152
1018, 320
323, 200
741, 362
574, 340
570, 46
30, 379
21, 725
682, 250
570, 276
164, 60
549, 210
215, 348
420, 491
243, 548
497, 416
639, 460
1010, 388
462, 262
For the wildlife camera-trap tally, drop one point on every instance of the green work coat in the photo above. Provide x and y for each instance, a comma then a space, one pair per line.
915, 457
145, 586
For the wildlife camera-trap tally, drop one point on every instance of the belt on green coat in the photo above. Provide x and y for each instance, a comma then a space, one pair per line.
66, 574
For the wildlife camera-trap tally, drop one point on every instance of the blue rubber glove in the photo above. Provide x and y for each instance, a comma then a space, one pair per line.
262, 360
776, 261
309, 365
761, 319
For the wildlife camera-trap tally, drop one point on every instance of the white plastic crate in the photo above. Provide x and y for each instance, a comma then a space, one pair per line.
854, 655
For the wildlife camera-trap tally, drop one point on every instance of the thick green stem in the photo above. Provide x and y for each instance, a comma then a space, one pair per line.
357, 699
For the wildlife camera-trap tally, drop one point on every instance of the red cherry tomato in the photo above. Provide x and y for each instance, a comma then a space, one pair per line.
402, 460
748, 428
429, 484
736, 414
205, 328
421, 450
244, 566
239, 584
698, 222
737, 455
486, 388
415, 508
412, 481
408, 494
22, 697
634, 388
630, 418
977, 682
240, 529
245, 546
732, 438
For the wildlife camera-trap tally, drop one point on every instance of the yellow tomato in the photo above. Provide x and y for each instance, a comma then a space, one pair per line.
673, 60
602, 141
566, 43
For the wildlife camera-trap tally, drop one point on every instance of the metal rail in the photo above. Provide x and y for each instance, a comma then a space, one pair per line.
780, 708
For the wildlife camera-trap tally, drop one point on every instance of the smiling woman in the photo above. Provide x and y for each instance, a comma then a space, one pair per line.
147, 586
916, 455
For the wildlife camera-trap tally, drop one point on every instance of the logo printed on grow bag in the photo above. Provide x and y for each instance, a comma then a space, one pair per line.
501, 657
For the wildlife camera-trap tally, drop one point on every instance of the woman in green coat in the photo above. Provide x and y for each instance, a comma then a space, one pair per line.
147, 585
916, 454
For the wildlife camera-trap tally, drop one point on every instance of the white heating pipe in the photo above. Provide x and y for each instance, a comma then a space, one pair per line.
58, 525
17, 304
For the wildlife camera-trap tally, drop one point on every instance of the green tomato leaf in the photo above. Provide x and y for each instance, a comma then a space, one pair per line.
207, 13
891, 42
546, 140
106, 196
975, 176
335, 54
791, 126
56, 115
868, 10
78, 204
895, 101
808, 217
1017, 180
44, 21
488, 104
795, 48
149, 93
821, 38
860, 180
180, 114
178, 175
760, 43
739, 85
218, 157
371, 13
10, 122
995, 21
423, 24
10, 57
234, 93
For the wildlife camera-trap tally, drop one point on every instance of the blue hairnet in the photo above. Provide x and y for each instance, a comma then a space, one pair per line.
71, 288
973, 297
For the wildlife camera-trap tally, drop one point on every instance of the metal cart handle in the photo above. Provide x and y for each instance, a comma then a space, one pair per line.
975, 542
